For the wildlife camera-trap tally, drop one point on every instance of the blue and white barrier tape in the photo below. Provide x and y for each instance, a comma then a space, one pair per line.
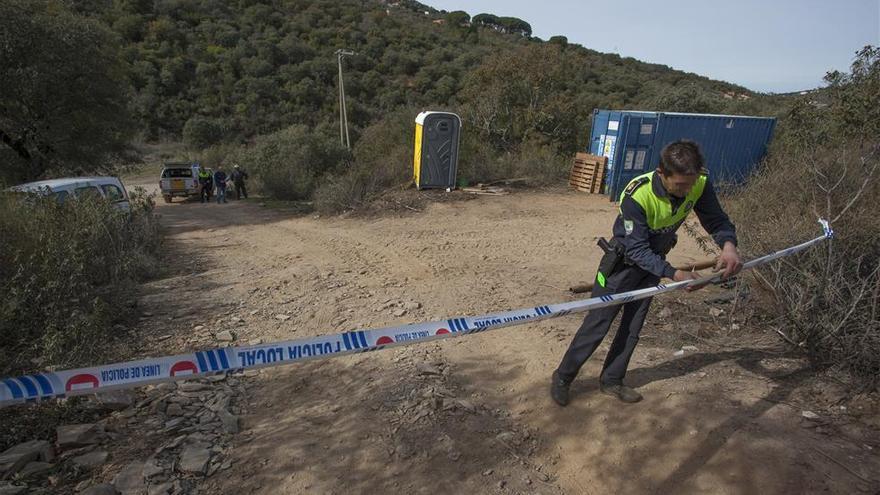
209, 362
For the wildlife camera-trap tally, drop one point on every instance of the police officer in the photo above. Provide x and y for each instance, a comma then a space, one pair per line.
205, 184
652, 207
220, 180
238, 177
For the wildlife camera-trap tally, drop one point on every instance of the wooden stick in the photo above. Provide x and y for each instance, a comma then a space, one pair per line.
702, 265
506, 181
786, 337
844, 466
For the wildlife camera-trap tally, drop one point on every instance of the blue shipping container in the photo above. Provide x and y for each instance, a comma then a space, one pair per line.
732, 144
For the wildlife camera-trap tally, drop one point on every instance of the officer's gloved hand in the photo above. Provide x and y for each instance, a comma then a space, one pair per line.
729, 260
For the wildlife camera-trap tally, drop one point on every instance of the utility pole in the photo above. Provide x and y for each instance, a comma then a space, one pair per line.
343, 116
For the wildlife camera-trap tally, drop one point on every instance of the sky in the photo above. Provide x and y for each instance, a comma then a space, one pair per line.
771, 46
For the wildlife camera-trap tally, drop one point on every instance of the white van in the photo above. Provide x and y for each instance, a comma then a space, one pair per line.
109, 188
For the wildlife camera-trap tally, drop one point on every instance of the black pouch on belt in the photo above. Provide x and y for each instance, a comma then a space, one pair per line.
611, 261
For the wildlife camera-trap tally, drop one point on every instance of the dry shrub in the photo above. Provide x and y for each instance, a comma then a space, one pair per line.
383, 159
345, 192
539, 163
828, 296
64, 275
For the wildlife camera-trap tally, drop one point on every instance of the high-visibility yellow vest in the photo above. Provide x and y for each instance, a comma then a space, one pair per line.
658, 209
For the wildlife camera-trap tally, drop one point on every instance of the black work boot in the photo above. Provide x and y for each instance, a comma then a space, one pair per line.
559, 389
622, 392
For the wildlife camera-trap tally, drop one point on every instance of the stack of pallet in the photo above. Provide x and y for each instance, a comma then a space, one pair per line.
588, 173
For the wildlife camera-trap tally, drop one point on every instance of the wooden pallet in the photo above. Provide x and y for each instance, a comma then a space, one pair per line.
588, 173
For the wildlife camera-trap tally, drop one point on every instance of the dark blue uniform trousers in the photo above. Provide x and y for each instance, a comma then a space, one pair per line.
597, 323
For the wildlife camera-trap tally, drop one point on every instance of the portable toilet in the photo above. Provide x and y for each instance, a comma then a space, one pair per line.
632, 141
435, 159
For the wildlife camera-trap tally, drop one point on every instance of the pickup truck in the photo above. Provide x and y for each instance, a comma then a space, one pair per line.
179, 179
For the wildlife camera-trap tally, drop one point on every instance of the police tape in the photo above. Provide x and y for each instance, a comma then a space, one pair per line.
132, 374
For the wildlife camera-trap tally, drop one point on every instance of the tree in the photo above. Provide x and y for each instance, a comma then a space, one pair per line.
855, 97
63, 100
458, 18
515, 25
487, 20
558, 40
524, 94
201, 132
511, 25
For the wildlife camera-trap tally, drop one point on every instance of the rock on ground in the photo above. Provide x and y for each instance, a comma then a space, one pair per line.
80, 435
91, 460
102, 489
10, 489
130, 480
16, 458
194, 459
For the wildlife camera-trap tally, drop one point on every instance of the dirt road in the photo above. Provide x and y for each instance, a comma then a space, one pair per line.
473, 415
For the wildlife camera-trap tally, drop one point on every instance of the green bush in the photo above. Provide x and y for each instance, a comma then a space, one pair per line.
225, 154
290, 163
201, 132
64, 271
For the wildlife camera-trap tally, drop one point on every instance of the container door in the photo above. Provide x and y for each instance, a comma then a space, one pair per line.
635, 148
439, 150
600, 131
604, 135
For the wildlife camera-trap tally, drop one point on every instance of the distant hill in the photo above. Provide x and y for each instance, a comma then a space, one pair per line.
237, 69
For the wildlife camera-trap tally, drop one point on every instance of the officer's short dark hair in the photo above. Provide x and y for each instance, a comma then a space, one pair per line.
681, 158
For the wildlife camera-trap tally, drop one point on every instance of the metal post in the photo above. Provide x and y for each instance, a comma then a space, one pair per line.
343, 114
339, 100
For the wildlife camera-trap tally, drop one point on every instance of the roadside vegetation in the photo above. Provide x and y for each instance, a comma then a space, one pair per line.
825, 162
66, 278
